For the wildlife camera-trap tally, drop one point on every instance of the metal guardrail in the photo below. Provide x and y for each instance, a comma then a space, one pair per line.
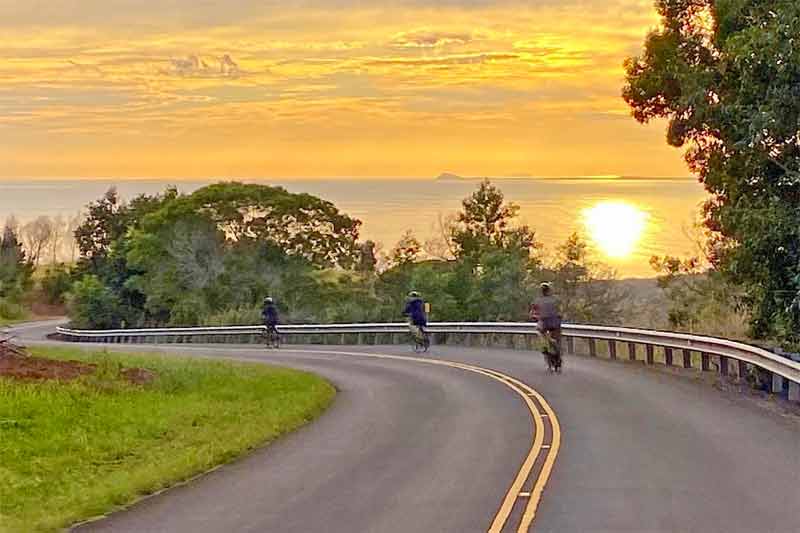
784, 372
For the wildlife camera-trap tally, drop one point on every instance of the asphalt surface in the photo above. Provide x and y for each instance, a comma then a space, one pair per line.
413, 447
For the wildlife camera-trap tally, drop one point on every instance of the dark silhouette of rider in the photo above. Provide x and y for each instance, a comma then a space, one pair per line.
269, 314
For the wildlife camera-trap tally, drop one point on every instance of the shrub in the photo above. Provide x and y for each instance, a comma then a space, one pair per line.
241, 316
92, 305
56, 283
10, 310
187, 312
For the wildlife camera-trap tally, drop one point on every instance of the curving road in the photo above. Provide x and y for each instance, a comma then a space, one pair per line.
416, 447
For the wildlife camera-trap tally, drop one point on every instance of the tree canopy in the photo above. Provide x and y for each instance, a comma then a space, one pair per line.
299, 224
726, 75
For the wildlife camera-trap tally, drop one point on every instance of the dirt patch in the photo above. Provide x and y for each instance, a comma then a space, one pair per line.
138, 376
16, 364
44, 310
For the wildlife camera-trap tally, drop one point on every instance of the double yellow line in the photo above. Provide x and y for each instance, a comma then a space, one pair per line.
534, 401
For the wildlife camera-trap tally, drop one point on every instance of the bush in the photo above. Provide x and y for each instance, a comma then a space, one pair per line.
10, 310
241, 316
92, 305
56, 283
187, 312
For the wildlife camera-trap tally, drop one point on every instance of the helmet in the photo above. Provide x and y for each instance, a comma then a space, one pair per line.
413, 294
268, 300
546, 287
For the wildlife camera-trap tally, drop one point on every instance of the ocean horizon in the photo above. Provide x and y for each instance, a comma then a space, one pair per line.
554, 207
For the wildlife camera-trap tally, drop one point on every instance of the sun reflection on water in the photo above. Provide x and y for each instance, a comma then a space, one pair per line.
616, 227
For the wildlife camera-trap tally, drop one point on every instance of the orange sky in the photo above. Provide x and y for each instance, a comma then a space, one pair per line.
247, 88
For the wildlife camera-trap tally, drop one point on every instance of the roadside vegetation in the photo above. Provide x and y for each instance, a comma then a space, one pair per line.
209, 258
77, 449
724, 75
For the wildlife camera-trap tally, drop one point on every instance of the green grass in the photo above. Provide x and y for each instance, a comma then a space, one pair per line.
74, 451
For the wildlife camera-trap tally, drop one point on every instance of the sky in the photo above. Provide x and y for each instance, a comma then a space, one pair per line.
323, 88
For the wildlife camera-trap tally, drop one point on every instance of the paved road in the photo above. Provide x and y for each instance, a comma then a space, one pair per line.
412, 447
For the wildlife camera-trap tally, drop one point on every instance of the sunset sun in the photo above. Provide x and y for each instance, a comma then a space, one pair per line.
615, 227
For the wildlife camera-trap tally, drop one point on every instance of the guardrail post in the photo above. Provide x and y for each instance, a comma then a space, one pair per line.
612, 349
668, 356
651, 358
723, 365
742, 370
632, 351
571, 345
687, 359
794, 391
592, 348
706, 362
777, 383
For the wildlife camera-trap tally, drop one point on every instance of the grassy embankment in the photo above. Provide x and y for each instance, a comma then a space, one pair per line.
69, 451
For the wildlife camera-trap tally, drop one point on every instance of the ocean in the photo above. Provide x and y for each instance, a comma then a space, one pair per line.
626, 220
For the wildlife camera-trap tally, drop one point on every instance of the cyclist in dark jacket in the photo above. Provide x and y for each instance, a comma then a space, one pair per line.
415, 310
418, 319
269, 314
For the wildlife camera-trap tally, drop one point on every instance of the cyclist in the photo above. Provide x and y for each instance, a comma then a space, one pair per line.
418, 319
269, 314
545, 311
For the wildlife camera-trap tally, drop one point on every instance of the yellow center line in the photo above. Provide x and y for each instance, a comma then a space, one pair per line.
544, 475
526, 393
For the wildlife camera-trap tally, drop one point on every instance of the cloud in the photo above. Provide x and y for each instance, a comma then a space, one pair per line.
194, 66
429, 39
86, 69
461, 59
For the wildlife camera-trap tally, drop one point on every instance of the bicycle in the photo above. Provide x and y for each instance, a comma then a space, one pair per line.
420, 339
552, 353
273, 338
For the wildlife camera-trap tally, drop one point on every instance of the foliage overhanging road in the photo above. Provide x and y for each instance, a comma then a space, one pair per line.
416, 447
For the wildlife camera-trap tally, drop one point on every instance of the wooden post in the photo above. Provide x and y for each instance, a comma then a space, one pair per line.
668, 356
777, 384
631, 351
742, 370
723, 365
612, 349
794, 391
571, 345
687, 359
592, 348
706, 363
651, 359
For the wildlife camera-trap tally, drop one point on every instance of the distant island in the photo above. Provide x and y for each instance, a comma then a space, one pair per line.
449, 176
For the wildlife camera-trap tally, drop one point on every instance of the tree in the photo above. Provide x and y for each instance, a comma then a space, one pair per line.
92, 305
585, 287
56, 283
487, 221
300, 224
367, 257
725, 74
16, 270
105, 222
406, 251
61, 231
700, 300
38, 236
441, 245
